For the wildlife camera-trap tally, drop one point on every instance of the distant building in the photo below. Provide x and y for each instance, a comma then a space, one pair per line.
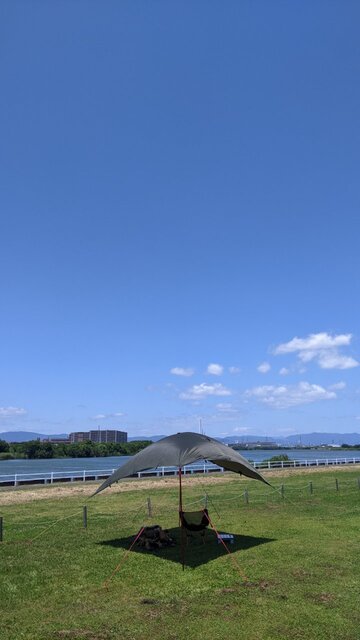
79, 436
56, 440
99, 436
256, 445
107, 435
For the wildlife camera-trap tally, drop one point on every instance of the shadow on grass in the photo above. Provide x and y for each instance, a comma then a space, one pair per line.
197, 552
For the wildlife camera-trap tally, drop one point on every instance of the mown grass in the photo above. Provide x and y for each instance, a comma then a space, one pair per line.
293, 572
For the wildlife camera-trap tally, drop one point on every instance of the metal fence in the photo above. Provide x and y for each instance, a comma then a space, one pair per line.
84, 475
318, 462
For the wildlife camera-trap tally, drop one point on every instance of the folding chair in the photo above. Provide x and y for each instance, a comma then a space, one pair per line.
195, 521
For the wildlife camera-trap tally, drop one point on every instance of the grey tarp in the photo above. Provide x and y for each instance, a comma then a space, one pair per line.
182, 449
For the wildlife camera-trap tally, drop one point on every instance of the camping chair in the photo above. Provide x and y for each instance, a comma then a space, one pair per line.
195, 521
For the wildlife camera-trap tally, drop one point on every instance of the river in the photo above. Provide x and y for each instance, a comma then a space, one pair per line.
10, 467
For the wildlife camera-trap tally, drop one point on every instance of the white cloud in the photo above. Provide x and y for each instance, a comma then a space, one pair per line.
334, 360
234, 370
322, 348
313, 342
107, 416
284, 371
226, 407
203, 390
181, 371
11, 412
215, 369
284, 396
338, 386
264, 367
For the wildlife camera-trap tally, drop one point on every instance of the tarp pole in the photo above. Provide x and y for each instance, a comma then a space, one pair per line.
182, 530
180, 492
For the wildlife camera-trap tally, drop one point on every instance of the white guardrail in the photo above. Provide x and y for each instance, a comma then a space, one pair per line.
50, 477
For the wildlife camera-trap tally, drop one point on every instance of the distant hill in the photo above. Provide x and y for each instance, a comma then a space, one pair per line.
152, 438
316, 439
247, 439
307, 439
25, 436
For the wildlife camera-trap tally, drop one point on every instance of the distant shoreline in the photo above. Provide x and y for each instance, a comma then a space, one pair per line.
7, 456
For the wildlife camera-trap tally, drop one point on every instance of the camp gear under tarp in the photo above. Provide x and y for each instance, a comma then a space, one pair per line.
178, 451
183, 449
194, 520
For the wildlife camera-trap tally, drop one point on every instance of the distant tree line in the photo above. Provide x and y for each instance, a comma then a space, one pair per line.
35, 449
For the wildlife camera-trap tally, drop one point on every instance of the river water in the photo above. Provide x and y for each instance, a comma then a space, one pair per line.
10, 467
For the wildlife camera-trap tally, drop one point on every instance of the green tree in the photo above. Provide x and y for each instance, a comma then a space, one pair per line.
4, 446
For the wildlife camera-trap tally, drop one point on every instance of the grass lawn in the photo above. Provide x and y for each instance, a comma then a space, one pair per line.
293, 573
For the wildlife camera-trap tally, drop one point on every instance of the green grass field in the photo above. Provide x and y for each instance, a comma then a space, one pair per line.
293, 573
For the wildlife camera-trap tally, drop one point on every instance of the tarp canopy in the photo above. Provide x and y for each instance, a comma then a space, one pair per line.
182, 449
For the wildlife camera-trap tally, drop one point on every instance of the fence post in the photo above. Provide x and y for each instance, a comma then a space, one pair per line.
149, 507
282, 490
246, 496
337, 484
310, 487
85, 517
1, 529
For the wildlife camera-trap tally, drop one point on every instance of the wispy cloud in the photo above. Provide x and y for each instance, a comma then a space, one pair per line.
285, 396
322, 348
215, 369
11, 412
226, 407
203, 390
264, 367
181, 371
338, 386
234, 370
107, 416
284, 371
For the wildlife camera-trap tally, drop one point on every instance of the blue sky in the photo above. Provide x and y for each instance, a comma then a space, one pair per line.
179, 200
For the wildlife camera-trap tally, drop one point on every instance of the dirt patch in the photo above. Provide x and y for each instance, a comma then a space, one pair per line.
20, 495
263, 585
301, 574
302, 471
323, 598
80, 634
